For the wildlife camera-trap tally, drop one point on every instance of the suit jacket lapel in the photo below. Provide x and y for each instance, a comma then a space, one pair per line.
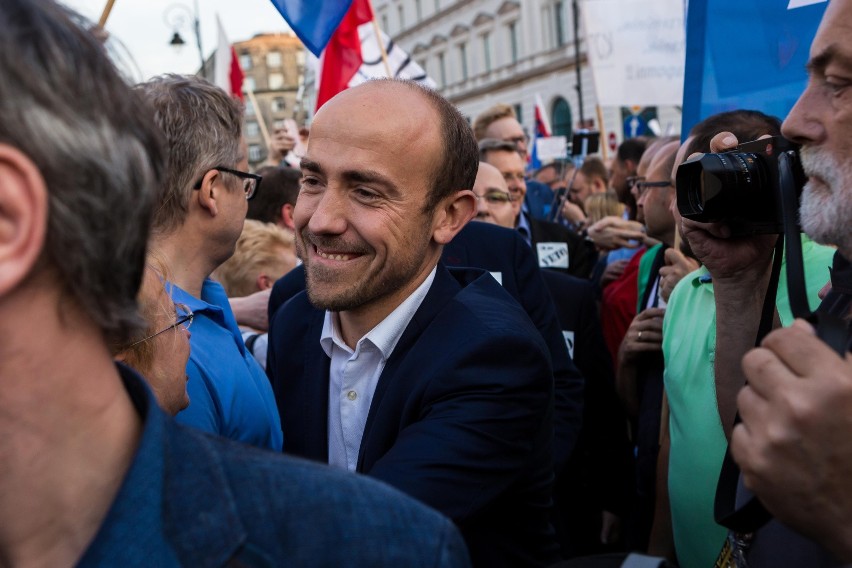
443, 289
315, 409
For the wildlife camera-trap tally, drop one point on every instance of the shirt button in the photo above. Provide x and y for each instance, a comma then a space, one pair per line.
352, 395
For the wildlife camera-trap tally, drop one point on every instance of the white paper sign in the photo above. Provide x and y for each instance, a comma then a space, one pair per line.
551, 148
637, 51
552, 255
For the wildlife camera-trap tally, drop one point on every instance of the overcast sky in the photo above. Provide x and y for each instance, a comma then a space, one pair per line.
141, 26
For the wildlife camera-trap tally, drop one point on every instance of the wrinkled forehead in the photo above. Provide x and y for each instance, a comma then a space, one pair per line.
504, 128
489, 177
391, 125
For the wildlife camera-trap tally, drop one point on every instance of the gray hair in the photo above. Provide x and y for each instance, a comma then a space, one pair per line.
202, 125
64, 105
487, 145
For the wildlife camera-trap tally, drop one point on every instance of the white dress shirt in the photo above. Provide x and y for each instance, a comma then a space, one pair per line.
353, 375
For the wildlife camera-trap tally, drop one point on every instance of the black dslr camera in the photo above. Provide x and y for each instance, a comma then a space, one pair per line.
740, 188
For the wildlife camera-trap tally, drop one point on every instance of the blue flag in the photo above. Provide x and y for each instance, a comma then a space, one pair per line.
748, 54
314, 22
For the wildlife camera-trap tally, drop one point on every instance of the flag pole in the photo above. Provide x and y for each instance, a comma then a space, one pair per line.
603, 142
105, 13
259, 115
381, 43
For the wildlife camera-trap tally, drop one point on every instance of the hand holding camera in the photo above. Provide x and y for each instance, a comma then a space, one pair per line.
724, 199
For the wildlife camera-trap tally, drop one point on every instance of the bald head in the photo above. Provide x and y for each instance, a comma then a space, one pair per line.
391, 102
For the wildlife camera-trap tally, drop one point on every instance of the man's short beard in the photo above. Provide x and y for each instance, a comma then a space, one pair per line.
826, 209
381, 282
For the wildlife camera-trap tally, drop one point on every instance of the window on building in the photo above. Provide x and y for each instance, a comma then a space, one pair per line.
255, 153
252, 129
276, 81
463, 60
300, 58
249, 108
513, 40
278, 104
248, 84
486, 51
273, 59
442, 70
437, 5
418, 9
385, 23
519, 114
559, 22
560, 118
245, 61
400, 11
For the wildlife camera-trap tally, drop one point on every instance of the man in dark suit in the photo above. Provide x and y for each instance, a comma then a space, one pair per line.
593, 492
390, 364
555, 246
510, 261
93, 472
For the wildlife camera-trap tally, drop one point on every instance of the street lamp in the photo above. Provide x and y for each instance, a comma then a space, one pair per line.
177, 42
176, 17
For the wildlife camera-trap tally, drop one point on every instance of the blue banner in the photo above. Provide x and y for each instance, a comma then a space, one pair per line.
314, 22
748, 54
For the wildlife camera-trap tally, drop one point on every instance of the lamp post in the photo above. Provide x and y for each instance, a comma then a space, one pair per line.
176, 16
579, 86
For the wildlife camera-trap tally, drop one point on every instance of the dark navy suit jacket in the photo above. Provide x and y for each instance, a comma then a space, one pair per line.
461, 417
581, 254
504, 253
599, 475
193, 499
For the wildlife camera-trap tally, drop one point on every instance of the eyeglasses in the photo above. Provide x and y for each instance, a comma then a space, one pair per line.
517, 139
633, 180
184, 320
642, 186
251, 182
496, 197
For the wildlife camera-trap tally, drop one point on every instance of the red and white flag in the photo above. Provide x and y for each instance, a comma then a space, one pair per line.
542, 125
227, 73
353, 56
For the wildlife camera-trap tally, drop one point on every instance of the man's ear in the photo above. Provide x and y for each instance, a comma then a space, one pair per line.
211, 187
23, 217
287, 217
264, 282
454, 212
599, 184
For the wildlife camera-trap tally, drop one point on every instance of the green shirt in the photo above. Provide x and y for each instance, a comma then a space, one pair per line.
697, 440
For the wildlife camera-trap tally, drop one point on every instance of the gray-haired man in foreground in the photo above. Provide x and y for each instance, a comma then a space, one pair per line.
91, 471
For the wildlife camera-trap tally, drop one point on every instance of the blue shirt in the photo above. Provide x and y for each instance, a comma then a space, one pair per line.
229, 393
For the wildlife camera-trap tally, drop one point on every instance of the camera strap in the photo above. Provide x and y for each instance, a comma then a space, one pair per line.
831, 329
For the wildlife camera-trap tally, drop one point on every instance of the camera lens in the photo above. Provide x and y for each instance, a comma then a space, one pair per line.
710, 186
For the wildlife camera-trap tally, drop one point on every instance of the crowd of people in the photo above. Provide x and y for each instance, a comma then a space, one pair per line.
408, 349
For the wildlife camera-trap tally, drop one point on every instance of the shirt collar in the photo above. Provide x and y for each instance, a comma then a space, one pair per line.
524, 227
208, 288
387, 333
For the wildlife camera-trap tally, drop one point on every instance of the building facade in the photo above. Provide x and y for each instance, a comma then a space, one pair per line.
481, 52
274, 66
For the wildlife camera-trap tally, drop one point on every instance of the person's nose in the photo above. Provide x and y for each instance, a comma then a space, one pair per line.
329, 214
803, 124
